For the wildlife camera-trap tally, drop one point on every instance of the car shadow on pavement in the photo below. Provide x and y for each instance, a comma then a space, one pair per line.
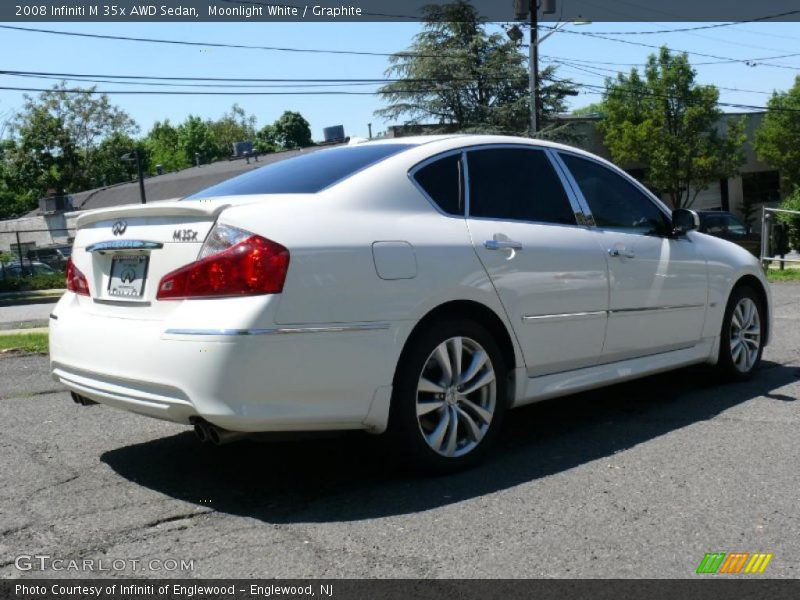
350, 477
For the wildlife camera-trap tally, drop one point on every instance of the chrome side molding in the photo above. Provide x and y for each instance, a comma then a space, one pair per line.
279, 330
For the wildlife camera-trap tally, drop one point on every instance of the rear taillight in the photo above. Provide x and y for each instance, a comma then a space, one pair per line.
76, 281
232, 263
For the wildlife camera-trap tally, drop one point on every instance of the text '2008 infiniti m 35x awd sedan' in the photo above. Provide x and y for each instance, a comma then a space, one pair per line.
417, 286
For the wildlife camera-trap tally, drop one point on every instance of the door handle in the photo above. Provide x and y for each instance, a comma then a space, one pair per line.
621, 252
502, 245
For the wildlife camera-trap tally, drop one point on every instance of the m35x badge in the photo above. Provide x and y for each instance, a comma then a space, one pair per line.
184, 235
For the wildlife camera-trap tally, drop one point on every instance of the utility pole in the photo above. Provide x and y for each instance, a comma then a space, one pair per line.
141, 175
137, 156
533, 12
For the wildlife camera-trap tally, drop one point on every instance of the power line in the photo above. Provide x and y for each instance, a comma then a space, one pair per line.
214, 44
695, 28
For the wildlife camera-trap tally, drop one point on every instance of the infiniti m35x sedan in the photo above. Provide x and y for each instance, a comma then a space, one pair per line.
416, 286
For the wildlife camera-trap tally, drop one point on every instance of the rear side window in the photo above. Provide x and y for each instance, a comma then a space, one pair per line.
516, 184
441, 180
616, 203
304, 174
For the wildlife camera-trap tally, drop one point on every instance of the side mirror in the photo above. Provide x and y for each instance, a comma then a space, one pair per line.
684, 220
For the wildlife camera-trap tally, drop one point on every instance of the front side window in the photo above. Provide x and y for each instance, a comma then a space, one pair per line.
516, 184
616, 203
305, 174
441, 180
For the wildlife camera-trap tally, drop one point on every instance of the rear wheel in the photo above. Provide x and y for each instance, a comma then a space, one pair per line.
742, 337
449, 396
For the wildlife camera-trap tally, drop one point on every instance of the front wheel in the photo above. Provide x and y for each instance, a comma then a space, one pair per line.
742, 336
449, 396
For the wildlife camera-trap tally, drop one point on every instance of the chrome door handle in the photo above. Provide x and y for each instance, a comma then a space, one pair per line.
502, 245
621, 252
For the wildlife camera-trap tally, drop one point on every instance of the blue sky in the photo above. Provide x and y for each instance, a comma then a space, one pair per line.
52, 53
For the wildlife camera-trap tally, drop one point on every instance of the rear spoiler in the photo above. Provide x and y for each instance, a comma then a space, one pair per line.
166, 208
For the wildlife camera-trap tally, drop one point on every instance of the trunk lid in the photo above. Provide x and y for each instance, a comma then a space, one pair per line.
125, 251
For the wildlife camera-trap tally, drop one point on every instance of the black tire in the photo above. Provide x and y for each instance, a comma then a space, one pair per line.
406, 429
730, 364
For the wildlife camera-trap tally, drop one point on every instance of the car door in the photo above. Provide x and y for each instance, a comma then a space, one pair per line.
658, 282
548, 270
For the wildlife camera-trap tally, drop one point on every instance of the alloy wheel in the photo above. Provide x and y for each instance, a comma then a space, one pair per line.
745, 336
456, 396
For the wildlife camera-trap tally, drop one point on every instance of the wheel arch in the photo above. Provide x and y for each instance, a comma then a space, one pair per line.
475, 311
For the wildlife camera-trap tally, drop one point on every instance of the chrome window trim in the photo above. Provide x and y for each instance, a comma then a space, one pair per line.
279, 330
529, 147
573, 186
431, 159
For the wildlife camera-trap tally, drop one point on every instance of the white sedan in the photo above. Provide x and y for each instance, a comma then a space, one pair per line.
414, 286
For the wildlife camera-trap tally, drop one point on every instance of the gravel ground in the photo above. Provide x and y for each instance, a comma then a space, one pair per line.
637, 480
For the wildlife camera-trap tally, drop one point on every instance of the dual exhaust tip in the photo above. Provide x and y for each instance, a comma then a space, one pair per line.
206, 432
82, 400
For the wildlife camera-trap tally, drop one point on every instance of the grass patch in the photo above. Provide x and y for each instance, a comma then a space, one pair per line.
785, 275
25, 342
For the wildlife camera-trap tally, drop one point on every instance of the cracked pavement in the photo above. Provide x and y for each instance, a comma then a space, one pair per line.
637, 480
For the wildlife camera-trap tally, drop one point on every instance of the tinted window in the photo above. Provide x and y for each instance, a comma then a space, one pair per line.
518, 184
304, 174
441, 180
615, 202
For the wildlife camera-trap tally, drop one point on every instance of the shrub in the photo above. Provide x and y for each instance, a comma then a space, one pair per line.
792, 221
53, 281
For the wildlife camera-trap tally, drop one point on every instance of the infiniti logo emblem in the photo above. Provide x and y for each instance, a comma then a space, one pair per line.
119, 227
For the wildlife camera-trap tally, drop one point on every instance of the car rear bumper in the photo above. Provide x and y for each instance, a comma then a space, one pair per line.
306, 378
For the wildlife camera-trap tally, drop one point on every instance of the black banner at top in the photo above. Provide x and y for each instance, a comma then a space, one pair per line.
392, 10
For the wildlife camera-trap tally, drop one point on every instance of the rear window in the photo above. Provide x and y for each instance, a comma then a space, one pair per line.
304, 174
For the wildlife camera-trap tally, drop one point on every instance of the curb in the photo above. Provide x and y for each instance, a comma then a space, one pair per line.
6, 332
31, 297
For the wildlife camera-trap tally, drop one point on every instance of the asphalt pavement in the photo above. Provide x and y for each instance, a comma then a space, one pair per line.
25, 315
637, 480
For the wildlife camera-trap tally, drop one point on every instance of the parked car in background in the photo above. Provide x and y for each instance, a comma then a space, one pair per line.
727, 226
418, 286
54, 256
13, 269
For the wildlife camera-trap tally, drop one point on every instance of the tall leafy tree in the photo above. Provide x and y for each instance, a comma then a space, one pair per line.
164, 148
56, 141
196, 139
234, 126
292, 130
458, 75
666, 121
778, 139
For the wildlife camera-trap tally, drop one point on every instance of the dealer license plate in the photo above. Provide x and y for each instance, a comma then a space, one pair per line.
128, 274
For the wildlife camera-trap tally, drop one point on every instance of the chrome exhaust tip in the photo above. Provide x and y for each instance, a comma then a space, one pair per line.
201, 431
82, 400
219, 436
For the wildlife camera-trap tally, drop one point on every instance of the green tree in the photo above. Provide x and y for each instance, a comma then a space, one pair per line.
233, 126
56, 142
164, 148
595, 108
292, 131
196, 139
778, 139
672, 125
459, 76
267, 139
109, 168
